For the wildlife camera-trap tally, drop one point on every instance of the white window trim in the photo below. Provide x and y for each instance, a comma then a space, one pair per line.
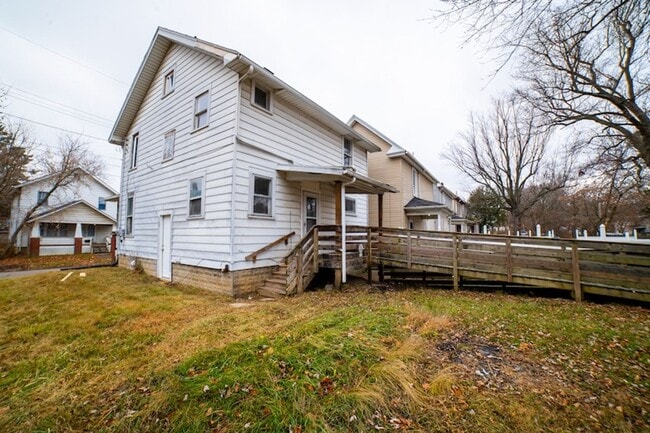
135, 144
169, 158
189, 190
194, 112
251, 193
269, 93
351, 152
166, 91
130, 195
354, 200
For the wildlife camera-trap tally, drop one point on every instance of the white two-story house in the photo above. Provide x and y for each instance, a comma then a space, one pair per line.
220, 158
67, 221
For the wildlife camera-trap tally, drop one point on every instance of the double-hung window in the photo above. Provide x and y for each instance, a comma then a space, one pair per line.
168, 145
201, 104
134, 150
347, 152
101, 203
414, 181
129, 214
196, 198
262, 200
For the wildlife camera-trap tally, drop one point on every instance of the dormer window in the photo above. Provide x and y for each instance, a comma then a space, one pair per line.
169, 83
347, 152
261, 98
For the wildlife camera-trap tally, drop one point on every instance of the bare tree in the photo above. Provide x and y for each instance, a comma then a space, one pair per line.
585, 60
506, 152
61, 167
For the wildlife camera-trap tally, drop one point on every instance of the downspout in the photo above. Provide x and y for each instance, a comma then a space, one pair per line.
344, 254
234, 167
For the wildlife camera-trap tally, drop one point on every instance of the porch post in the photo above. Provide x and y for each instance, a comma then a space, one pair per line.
78, 240
338, 275
113, 245
380, 224
34, 240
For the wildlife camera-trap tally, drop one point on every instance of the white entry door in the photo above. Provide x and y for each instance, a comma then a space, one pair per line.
310, 212
165, 248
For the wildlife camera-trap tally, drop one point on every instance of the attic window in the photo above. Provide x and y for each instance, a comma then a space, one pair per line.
42, 198
169, 83
261, 98
101, 203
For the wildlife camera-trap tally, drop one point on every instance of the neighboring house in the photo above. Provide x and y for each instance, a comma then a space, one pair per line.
70, 220
222, 158
422, 203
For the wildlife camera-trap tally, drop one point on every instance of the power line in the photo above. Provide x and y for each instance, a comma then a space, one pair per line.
53, 127
85, 119
11, 87
64, 56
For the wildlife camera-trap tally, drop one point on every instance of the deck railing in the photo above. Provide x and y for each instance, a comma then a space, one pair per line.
603, 268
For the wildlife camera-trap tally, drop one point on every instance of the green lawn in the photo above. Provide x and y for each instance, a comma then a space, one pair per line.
119, 351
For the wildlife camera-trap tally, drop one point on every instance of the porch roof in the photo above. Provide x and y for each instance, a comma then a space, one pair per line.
355, 182
419, 206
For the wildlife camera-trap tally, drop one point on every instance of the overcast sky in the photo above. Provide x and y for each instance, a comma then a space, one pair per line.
379, 59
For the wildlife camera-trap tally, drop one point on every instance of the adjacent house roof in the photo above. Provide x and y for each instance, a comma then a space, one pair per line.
55, 210
420, 206
395, 151
49, 176
232, 59
420, 202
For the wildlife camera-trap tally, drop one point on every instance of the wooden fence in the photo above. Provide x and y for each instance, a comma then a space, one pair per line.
603, 268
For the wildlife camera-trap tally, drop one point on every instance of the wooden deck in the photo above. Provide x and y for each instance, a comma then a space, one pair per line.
582, 267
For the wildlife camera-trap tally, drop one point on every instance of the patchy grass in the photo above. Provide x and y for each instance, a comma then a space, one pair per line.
25, 263
117, 351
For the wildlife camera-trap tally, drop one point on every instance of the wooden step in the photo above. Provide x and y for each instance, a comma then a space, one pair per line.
272, 291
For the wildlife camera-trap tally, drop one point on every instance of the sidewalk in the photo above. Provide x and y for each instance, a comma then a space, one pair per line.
18, 274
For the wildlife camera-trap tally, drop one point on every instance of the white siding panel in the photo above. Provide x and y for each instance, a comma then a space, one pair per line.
163, 187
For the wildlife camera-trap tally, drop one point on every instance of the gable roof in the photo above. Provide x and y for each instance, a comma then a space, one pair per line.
395, 151
57, 209
162, 41
49, 176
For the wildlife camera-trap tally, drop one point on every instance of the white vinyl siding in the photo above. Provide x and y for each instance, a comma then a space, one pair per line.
164, 188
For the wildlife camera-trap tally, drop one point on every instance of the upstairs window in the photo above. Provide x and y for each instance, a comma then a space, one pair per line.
134, 150
129, 214
350, 206
41, 198
261, 98
168, 145
196, 198
262, 196
347, 152
414, 181
201, 103
169, 83
101, 203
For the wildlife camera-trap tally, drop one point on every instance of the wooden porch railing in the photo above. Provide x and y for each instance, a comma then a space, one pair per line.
284, 239
602, 268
